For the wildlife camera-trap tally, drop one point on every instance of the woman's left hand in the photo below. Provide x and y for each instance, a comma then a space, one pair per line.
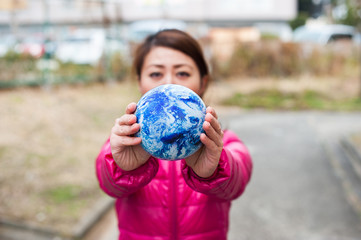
205, 161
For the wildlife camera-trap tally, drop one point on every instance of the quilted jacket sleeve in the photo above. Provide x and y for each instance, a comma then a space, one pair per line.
119, 183
232, 175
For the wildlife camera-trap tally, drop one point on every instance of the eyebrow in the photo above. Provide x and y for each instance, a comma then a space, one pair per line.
176, 66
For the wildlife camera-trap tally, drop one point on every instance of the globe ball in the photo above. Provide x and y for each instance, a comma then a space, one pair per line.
171, 121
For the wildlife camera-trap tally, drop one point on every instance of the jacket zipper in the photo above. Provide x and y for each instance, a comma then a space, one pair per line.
173, 201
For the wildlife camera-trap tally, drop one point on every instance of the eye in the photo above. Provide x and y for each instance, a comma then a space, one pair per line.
155, 75
183, 74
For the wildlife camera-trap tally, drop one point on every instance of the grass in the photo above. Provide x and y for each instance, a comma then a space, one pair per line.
63, 194
275, 99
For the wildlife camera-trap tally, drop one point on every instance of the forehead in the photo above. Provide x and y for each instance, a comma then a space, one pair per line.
167, 56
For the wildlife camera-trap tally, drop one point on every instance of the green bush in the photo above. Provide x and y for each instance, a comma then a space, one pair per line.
23, 70
300, 20
15, 66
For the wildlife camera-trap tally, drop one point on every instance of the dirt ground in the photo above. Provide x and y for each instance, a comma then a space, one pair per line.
48, 144
50, 138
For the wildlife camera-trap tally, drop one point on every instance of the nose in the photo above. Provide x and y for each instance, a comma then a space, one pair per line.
169, 79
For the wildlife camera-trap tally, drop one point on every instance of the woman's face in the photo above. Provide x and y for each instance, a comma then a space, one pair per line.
164, 65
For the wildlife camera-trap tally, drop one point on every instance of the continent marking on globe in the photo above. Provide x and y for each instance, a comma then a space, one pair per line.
171, 121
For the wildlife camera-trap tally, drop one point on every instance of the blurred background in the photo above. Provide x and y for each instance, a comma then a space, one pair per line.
65, 75
48, 42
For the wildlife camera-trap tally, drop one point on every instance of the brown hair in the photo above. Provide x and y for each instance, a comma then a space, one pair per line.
175, 39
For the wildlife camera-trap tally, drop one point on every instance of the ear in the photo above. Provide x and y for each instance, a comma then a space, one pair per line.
204, 84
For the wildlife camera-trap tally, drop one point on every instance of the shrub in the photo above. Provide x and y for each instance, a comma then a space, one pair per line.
266, 58
119, 67
15, 66
23, 70
278, 59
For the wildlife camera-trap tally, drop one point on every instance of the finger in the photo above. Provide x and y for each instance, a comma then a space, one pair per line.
214, 123
125, 130
212, 134
212, 111
131, 108
126, 119
128, 141
209, 143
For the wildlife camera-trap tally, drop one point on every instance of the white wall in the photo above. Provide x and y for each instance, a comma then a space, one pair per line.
211, 9
80, 11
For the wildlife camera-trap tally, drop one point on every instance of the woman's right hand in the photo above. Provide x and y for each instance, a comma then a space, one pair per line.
126, 149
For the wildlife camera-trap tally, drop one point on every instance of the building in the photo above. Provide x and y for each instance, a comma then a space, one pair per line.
75, 12
54, 19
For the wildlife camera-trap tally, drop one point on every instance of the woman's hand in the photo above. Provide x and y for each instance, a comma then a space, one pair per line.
205, 161
126, 149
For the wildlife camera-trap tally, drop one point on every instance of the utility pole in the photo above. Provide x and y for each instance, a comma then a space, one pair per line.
105, 75
359, 48
13, 23
46, 58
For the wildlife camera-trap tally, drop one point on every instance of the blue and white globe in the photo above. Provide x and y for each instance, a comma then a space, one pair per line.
171, 121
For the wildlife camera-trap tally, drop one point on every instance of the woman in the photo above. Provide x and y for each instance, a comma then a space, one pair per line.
185, 199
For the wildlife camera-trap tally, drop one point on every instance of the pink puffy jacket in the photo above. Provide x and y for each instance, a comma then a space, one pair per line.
167, 200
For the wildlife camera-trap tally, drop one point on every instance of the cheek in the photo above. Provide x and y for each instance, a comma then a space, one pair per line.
145, 85
195, 85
